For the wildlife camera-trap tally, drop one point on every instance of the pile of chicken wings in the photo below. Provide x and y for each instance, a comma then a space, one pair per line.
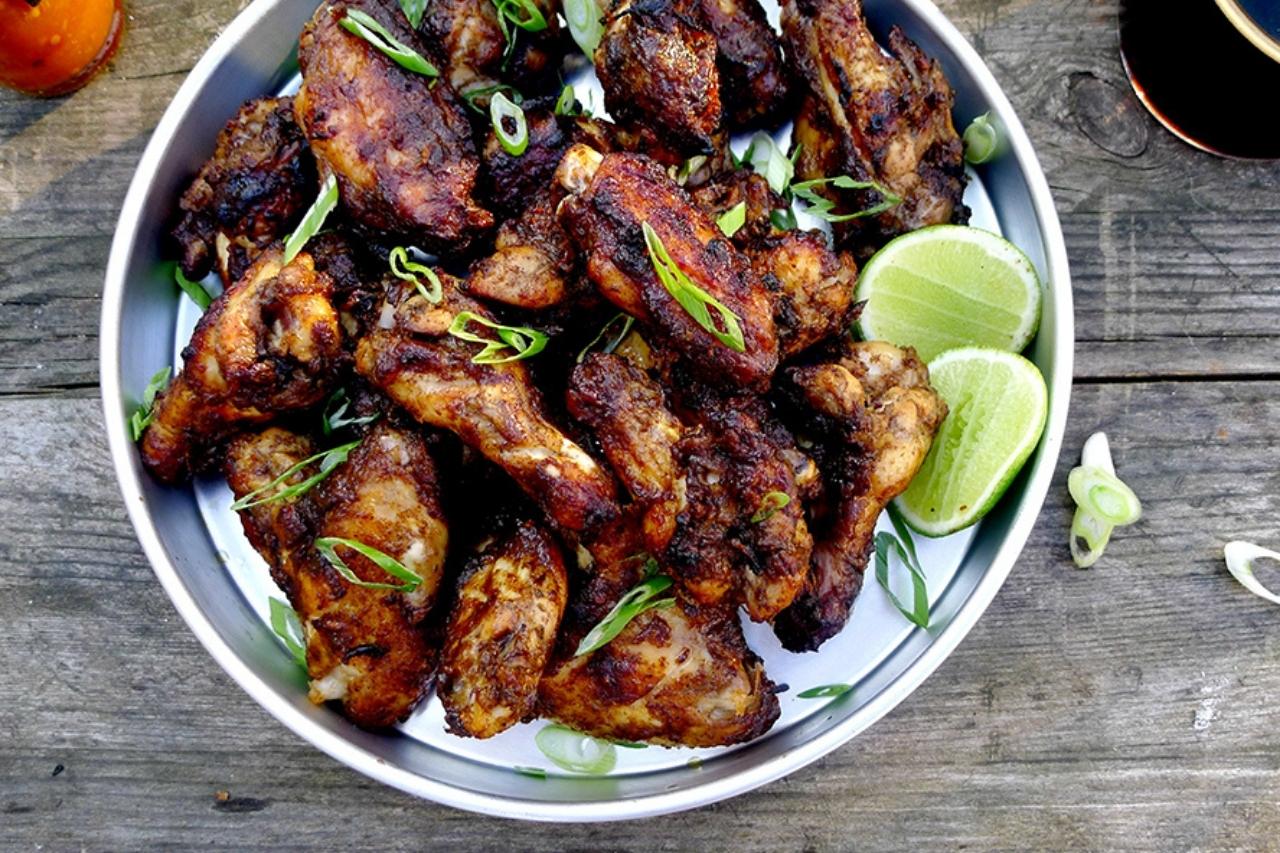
530, 495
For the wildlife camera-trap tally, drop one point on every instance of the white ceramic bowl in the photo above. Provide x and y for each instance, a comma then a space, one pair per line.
217, 583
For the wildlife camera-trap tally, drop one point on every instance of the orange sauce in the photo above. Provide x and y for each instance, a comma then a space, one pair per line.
56, 45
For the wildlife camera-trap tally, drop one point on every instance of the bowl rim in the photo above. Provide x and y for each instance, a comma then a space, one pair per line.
777, 756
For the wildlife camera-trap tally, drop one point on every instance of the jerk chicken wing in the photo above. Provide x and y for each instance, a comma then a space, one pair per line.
364, 646
401, 148
270, 344
611, 198
874, 115
479, 54
252, 192
501, 633
874, 416
493, 407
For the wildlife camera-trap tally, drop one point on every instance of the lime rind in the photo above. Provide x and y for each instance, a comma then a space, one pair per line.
949, 286
998, 406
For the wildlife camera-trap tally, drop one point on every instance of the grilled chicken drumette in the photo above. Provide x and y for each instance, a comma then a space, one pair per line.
399, 144
270, 344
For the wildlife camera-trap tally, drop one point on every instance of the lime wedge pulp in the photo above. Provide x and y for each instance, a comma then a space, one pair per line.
949, 286
998, 405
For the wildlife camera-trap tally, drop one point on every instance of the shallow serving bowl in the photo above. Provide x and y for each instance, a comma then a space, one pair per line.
219, 587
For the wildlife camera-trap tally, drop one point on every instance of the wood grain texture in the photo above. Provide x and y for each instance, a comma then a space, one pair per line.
1130, 707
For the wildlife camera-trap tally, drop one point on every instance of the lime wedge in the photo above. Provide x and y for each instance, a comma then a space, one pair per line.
997, 405
949, 286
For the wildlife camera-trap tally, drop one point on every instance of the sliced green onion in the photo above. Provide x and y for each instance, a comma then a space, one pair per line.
414, 10
361, 24
691, 297
1104, 496
523, 14
194, 289
983, 141
1089, 538
407, 270
586, 23
329, 459
772, 502
284, 621
567, 104
327, 546
576, 752
1103, 501
766, 158
314, 219
826, 691
501, 110
687, 169
641, 597
535, 772
629, 744
146, 413
1240, 557
732, 220
335, 417
784, 219
694, 763
627, 322
474, 95
821, 206
525, 341
903, 545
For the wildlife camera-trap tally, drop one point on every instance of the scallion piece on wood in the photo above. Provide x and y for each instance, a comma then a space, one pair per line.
901, 543
327, 546
821, 206
576, 752
284, 621
983, 141
641, 597
329, 459
524, 341
1103, 501
314, 219
692, 298
364, 26
407, 270
194, 289
414, 10
826, 691
514, 140
732, 220
1240, 557
145, 413
770, 504
586, 23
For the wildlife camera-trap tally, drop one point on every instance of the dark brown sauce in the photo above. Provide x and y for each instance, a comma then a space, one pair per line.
1200, 77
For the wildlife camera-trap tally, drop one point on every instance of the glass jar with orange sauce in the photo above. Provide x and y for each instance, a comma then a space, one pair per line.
50, 47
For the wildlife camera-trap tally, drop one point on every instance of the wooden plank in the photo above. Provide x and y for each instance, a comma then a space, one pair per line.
1128, 707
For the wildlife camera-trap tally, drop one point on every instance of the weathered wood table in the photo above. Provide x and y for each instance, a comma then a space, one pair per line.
1128, 707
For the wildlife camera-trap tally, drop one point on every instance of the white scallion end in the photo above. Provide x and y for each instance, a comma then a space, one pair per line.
1240, 557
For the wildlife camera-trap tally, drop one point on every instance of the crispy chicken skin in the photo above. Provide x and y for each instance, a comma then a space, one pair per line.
501, 633
628, 413
874, 416
810, 285
270, 344
400, 147
252, 192
611, 197
755, 83
533, 262
476, 51
365, 647
679, 676
494, 408
657, 65
875, 115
